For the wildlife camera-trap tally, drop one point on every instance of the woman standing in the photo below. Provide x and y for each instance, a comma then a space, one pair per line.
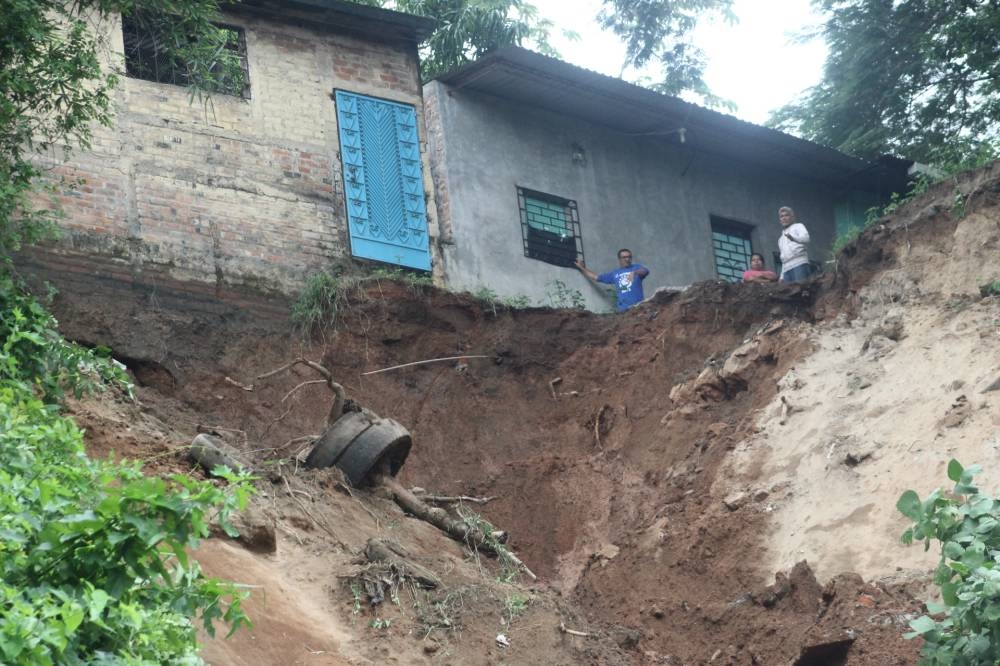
792, 247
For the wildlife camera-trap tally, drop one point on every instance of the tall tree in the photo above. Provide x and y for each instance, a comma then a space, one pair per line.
920, 78
659, 31
468, 29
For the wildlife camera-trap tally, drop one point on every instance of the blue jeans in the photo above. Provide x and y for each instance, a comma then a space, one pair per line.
797, 274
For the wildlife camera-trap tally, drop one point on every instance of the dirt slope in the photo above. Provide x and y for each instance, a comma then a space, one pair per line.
646, 465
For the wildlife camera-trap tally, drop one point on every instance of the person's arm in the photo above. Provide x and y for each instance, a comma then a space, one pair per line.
641, 272
798, 233
586, 271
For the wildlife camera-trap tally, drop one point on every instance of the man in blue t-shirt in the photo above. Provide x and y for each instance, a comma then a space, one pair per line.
627, 279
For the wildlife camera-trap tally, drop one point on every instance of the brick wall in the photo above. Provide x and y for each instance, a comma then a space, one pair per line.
232, 191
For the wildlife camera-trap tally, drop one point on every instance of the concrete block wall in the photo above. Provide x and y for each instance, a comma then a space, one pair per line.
656, 198
232, 191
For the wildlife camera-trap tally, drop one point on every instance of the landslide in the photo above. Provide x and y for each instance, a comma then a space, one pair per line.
656, 469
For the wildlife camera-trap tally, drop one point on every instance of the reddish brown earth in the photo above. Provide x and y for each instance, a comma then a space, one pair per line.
604, 481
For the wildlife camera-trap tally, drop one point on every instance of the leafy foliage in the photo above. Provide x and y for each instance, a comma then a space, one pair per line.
660, 32
39, 360
560, 295
967, 524
327, 295
914, 77
510, 570
54, 89
93, 555
468, 29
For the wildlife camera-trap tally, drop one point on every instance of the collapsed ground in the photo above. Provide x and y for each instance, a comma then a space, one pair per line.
655, 469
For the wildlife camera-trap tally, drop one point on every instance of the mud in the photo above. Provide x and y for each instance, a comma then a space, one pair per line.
609, 443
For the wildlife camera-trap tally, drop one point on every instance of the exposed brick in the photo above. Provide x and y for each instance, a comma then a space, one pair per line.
251, 188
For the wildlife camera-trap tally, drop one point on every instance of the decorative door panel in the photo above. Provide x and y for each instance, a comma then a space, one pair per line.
383, 181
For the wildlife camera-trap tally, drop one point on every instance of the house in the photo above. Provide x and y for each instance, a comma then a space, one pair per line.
318, 158
538, 162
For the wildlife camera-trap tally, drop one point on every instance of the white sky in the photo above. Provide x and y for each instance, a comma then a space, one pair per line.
753, 63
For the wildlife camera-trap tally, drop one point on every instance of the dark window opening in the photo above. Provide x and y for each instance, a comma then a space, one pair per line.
731, 247
146, 58
550, 228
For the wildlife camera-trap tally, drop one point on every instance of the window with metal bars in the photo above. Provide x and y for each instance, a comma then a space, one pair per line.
731, 247
550, 228
147, 59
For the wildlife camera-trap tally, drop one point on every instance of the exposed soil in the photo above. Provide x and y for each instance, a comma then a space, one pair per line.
646, 465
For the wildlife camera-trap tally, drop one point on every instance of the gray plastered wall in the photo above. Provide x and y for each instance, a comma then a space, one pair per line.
651, 194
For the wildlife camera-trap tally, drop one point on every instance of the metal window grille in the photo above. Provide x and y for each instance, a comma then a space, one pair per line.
550, 228
146, 59
732, 249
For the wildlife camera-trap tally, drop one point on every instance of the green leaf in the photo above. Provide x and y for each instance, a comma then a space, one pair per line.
923, 624
953, 550
934, 607
73, 616
955, 470
909, 505
949, 594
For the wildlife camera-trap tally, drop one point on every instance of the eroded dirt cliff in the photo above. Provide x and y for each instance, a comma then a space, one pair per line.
655, 469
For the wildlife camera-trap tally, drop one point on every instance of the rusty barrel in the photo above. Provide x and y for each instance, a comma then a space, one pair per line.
358, 443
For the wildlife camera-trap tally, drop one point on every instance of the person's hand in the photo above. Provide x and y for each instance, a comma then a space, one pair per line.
579, 264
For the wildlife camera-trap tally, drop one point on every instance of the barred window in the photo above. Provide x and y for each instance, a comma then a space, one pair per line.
550, 228
731, 247
146, 58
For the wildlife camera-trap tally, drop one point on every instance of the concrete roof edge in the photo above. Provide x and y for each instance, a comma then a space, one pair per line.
632, 95
418, 28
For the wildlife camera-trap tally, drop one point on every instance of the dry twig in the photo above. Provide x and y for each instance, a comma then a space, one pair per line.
313, 518
430, 360
245, 387
597, 427
338, 390
298, 386
572, 632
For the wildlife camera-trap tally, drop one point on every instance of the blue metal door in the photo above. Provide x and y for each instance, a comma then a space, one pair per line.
383, 181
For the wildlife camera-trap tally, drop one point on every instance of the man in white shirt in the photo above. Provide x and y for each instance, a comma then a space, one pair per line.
792, 247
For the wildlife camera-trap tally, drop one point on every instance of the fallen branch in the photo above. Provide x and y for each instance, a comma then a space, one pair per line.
457, 529
392, 554
446, 499
572, 632
430, 360
338, 391
210, 454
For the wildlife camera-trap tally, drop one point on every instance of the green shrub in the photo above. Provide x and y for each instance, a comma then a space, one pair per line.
327, 295
93, 554
967, 524
560, 295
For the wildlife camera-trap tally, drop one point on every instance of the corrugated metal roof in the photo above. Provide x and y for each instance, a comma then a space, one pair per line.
540, 81
384, 24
